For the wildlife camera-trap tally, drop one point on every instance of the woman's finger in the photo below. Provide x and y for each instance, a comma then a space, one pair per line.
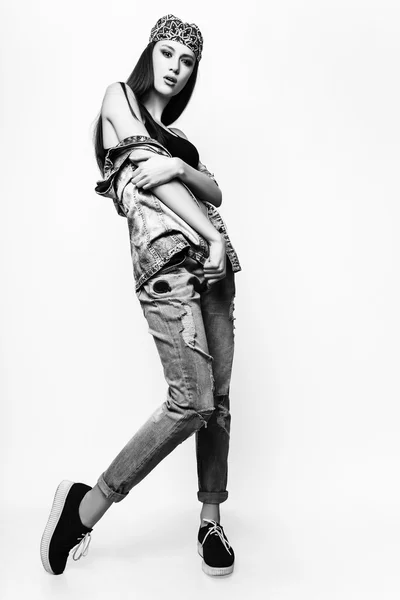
211, 282
145, 181
138, 156
216, 276
138, 178
212, 269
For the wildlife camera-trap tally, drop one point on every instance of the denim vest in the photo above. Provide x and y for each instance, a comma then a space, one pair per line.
156, 232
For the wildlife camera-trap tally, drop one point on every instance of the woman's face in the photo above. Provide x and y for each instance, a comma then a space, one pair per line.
175, 60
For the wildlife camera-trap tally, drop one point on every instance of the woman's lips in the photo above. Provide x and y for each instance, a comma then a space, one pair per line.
169, 82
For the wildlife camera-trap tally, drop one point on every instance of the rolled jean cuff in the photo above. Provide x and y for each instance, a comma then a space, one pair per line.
108, 492
212, 497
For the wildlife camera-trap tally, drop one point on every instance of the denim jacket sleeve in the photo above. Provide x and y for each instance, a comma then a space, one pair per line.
156, 231
116, 173
118, 169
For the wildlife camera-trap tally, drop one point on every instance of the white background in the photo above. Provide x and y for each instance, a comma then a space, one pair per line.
296, 111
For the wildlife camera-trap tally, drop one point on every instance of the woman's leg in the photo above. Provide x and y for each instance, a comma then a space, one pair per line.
212, 443
171, 303
93, 506
212, 440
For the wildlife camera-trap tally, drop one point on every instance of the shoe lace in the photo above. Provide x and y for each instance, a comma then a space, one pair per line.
83, 546
216, 530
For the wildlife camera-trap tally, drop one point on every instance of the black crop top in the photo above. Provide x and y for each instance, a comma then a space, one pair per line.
176, 145
182, 148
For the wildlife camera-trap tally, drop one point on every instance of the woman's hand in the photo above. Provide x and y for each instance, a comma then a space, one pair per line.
152, 172
155, 170
215, 265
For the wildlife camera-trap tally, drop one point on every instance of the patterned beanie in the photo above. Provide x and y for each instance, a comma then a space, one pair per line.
170, 27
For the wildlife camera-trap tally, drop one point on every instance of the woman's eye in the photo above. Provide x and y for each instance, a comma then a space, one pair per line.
188, 63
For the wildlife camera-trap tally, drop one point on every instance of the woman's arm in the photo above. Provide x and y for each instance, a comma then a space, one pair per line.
202, 186
173, 193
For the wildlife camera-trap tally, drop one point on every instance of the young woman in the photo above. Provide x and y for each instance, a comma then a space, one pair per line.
184, 265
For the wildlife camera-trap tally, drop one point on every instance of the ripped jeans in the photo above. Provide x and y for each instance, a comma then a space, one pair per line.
193, 328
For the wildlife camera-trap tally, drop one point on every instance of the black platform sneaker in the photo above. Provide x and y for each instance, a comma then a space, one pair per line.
213, 546
64, 529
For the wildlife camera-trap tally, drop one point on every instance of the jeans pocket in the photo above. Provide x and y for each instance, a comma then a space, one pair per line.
175, 262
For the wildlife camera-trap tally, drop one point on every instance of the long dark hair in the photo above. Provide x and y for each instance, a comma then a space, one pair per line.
141, 81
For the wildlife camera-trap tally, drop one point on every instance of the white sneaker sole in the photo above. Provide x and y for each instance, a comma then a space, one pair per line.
56, 510
212, 570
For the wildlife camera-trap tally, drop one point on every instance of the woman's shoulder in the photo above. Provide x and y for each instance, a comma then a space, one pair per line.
115, 99
116, 88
